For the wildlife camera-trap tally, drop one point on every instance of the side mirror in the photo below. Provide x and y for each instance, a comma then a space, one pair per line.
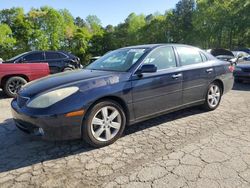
147, 68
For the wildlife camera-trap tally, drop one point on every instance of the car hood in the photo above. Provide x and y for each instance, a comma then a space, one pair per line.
221, 52
70, 78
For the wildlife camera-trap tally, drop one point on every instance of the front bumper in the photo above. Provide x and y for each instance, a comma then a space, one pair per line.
49, 127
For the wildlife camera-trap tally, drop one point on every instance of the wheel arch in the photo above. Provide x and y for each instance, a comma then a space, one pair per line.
117, 99
220, 82
6, 77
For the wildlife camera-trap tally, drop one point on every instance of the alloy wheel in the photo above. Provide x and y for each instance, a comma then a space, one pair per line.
15, 85
214, 96
106, 123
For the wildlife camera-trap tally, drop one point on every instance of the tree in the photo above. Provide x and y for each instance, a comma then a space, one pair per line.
20, 27
79, 22
7, 42
80, 43
180, 20
203, 23
94, 24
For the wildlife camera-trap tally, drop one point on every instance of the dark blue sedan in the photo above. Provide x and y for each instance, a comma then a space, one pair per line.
242, 72
121, 88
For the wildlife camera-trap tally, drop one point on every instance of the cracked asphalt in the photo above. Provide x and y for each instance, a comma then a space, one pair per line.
188, 148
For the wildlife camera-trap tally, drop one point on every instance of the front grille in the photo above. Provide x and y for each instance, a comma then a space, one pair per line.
21, 101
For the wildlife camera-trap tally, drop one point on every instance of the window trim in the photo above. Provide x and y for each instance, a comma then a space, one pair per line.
201, 53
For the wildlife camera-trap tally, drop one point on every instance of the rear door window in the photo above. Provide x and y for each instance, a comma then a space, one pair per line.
37, 56
188, 55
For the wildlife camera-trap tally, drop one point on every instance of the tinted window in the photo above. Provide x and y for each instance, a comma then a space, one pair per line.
54, 55
34, 57
188, 56
162, 58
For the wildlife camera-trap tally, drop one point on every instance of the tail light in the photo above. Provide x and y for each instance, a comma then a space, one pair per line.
231, 68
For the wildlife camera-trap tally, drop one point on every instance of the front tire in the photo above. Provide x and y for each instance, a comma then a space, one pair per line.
104, 123
213, 96
13, 85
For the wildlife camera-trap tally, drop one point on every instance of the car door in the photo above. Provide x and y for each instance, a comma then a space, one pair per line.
156, 92
34, 57
197, 71
56, 61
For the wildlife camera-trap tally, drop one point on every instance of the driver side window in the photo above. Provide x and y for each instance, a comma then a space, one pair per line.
162, 58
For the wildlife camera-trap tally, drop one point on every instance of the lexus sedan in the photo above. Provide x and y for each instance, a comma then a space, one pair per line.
121, 88
59, 61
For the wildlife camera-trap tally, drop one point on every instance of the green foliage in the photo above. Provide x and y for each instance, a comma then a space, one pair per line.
204, 23
7, 42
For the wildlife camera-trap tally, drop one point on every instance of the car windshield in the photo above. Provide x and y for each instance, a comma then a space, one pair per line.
119, 60
16, 57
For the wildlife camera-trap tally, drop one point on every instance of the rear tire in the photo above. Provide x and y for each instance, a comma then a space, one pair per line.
13, 85
104, 124
213, 96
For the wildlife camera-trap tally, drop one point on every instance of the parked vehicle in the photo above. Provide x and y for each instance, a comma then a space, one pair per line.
247, 50
246, 58
121, 88
58, 61
222, 54
14, 76
240, 55
242, 72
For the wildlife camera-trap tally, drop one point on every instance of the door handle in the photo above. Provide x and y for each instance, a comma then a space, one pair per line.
209, 70
176, 76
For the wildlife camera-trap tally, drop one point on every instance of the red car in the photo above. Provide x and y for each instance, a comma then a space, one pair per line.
13, 76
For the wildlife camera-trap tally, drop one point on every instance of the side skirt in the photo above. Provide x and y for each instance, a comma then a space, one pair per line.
144, 118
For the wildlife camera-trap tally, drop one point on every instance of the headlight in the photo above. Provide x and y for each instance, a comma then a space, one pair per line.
237, 69
52, 97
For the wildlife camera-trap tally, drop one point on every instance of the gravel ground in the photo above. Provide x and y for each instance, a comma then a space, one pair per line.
188, 148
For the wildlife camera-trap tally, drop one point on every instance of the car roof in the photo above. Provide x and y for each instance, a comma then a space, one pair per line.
149, 46
34, 51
